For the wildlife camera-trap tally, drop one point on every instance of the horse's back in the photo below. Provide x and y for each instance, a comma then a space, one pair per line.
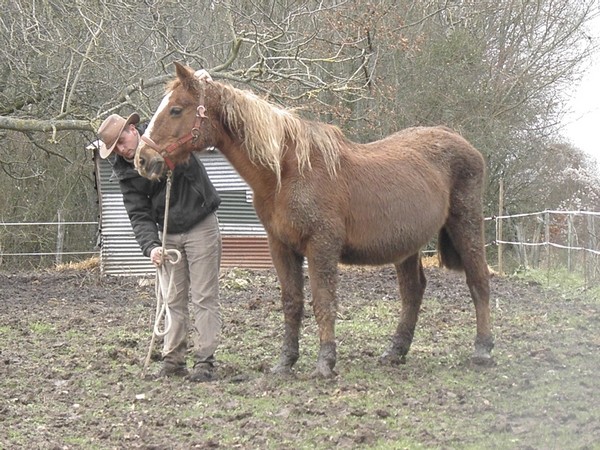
439, 145
401, 189
428, 159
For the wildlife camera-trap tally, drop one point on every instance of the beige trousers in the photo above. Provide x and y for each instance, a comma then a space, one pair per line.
195, 308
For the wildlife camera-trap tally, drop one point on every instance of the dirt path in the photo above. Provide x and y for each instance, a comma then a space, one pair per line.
72, 346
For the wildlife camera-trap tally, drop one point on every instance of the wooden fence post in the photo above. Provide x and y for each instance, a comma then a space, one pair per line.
593, 245
569, 242
60, 238
547, 238
522, 248
499, 237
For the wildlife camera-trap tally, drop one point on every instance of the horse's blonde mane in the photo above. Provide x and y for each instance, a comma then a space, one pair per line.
268, 131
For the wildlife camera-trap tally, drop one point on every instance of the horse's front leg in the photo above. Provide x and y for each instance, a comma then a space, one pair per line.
288, 265
323, 275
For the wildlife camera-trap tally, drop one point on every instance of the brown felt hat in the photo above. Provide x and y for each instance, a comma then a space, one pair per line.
111, 129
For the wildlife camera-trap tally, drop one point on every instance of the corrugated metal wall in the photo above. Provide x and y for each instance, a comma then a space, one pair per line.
244, 239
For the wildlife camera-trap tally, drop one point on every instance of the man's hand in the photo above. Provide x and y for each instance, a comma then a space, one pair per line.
156, 256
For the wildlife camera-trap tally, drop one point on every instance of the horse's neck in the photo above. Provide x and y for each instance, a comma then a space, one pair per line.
261, 179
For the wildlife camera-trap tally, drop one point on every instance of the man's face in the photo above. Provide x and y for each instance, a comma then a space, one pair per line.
128, 142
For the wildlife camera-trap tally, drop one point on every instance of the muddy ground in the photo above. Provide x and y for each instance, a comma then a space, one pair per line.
72, 347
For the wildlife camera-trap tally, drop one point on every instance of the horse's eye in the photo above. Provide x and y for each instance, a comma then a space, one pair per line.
176, 110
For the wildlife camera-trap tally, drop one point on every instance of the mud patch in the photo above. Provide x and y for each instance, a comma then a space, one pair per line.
72, 346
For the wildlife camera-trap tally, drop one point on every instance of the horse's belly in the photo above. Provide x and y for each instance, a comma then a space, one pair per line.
377, 255
357, 257
384, 241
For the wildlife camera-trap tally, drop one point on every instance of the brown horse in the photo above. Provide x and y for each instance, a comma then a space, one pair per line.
329, 200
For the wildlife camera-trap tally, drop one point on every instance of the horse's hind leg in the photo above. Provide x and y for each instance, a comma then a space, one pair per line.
411, 280
288, 265
466, 233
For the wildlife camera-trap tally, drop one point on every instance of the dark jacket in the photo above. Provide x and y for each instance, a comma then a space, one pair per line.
193, 198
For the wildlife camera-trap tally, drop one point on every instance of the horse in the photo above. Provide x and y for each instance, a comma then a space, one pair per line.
325, 198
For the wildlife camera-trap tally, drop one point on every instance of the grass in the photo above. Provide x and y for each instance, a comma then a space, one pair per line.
540, 394
41, 328
561, 280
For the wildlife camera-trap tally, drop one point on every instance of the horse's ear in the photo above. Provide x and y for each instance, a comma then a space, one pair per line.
185, 74
181, 70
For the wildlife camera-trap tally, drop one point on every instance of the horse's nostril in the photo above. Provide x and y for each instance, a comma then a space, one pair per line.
155, 166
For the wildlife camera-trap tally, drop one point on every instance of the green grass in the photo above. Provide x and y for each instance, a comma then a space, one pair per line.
541, 393
568, 283
41, 327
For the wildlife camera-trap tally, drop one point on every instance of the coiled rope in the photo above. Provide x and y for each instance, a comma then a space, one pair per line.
164, 282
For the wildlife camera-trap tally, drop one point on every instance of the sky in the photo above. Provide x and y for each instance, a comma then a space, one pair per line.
582, 126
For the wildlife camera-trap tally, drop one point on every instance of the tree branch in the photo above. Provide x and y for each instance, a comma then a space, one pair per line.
24, 125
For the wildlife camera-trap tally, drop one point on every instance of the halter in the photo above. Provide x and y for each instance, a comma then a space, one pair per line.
193, 135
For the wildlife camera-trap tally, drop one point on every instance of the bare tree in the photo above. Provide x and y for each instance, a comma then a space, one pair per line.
67, 67
496, 71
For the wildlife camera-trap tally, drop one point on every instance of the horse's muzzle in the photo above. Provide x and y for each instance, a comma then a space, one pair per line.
152, 168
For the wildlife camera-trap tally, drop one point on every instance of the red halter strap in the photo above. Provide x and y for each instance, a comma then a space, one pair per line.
193, 135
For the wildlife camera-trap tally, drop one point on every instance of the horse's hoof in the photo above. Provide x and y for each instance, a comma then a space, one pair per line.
281, 370
324, 369
392, 359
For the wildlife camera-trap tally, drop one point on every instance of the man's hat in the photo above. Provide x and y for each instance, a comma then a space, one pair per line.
110, 131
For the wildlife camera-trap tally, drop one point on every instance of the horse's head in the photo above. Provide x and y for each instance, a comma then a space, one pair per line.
179, 125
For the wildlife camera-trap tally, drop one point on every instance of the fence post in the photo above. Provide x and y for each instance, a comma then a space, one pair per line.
592, 244
499, 237
569, 242
547, 238
522, 248
537, 236
60, 238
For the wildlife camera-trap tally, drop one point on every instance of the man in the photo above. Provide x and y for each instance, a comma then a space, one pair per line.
192, 228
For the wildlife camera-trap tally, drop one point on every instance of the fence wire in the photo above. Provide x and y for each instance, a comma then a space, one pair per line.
524, 235
573, 234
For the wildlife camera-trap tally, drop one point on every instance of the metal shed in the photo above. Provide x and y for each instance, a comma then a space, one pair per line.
244, 238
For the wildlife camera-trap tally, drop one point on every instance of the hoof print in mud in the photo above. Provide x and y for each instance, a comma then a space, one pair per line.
483, 361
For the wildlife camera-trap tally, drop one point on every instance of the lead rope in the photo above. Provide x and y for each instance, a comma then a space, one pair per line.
164, 283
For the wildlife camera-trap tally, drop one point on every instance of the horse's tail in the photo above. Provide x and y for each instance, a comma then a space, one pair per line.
447, 254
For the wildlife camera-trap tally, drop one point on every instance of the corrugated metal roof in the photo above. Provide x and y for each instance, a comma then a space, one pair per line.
244, 238
221, 173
